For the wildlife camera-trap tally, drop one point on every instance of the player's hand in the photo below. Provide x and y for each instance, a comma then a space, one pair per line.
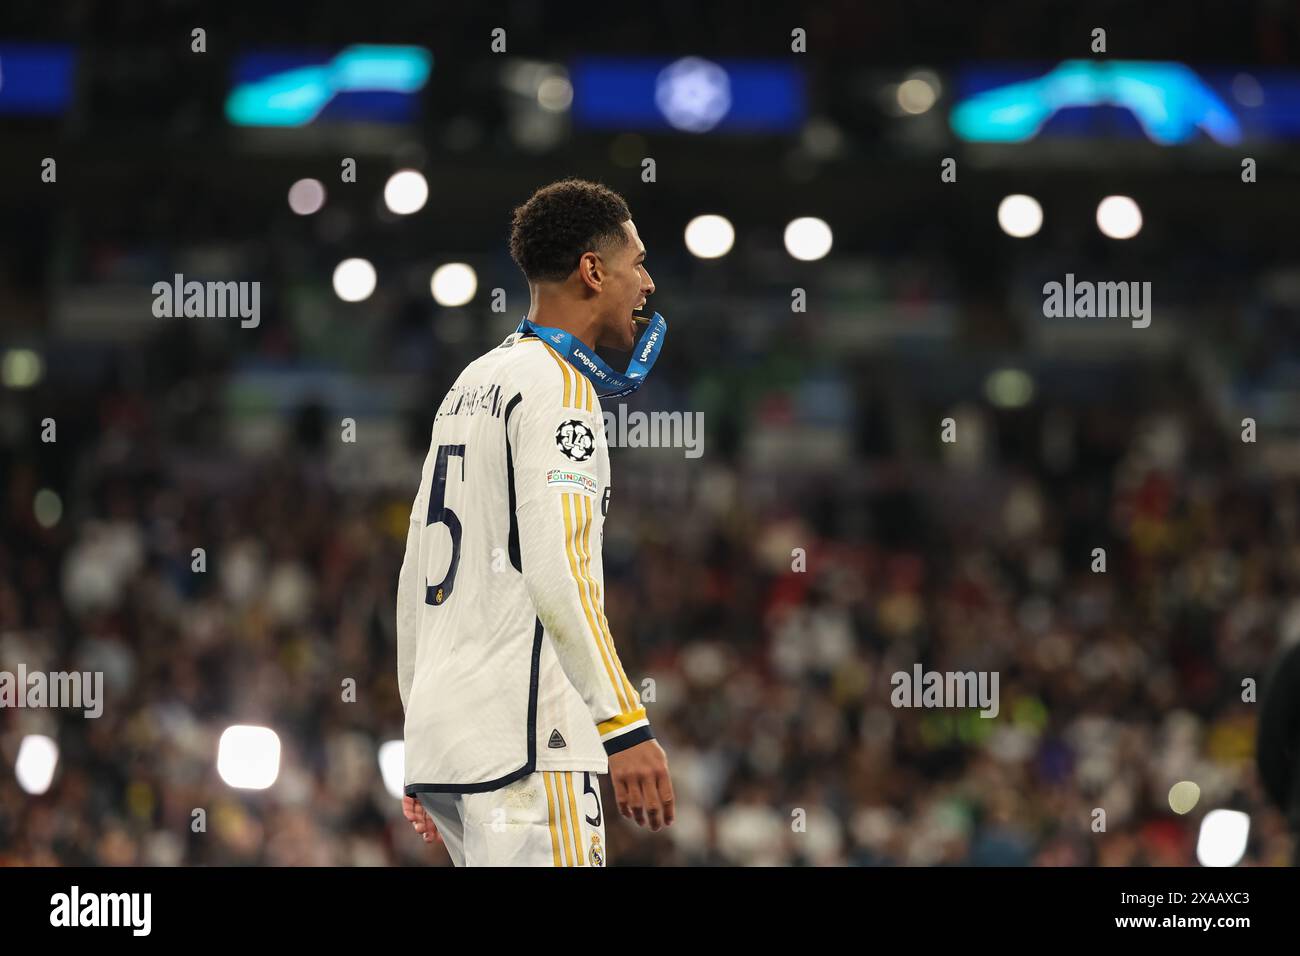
414, 811
642, 788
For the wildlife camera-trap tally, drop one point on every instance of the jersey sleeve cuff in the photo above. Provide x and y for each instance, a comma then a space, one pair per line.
630, 738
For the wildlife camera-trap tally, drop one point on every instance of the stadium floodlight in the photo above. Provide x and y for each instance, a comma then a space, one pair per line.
47, 506
453, 284
392, 766
406, 192
21, 368
1009, 388
709, 236
354, 280
808, 238
248, 757
1118, 217
555, 94
1247, 91
38, 757
1020, 216
1183, 796
307, 196
1222, 841
916, 95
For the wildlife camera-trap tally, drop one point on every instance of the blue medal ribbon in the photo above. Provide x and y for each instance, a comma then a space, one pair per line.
608, 383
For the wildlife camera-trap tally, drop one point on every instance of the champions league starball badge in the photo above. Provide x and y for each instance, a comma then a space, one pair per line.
575, 440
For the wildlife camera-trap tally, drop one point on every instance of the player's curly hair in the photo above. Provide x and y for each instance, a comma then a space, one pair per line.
560, 222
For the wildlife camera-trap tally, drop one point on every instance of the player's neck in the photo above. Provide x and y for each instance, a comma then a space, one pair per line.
559, 315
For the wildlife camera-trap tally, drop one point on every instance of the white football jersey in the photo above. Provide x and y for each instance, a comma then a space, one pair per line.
505, 661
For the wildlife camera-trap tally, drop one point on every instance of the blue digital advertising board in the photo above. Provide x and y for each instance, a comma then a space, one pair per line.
1165, 102
688, 95
36, 79
368, 83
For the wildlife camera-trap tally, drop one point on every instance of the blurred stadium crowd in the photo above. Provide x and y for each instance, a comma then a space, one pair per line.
771, 686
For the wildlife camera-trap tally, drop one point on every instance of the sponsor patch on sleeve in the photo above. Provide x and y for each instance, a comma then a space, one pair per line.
574, 480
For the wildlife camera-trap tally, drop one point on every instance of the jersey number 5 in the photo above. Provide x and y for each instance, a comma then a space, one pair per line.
439, 513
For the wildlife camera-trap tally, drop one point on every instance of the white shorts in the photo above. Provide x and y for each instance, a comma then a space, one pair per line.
549, 818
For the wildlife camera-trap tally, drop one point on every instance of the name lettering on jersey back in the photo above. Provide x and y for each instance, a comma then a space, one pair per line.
471, 400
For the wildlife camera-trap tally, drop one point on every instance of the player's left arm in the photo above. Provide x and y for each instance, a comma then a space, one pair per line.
407, 595
421, 822
552, 437
410, 586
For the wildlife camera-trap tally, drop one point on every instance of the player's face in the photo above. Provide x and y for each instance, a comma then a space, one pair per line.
628, 284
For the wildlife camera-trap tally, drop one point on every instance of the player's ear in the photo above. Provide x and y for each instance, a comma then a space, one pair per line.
590, 270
